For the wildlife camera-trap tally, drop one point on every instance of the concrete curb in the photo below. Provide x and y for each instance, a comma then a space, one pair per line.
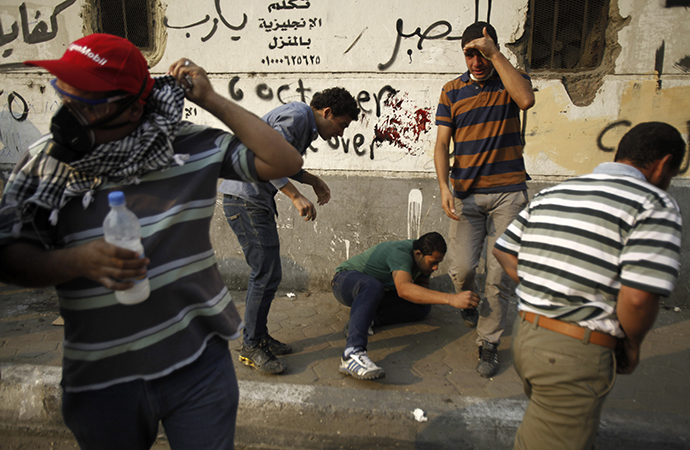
275, 415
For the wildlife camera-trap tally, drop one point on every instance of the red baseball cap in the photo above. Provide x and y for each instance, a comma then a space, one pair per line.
101, 62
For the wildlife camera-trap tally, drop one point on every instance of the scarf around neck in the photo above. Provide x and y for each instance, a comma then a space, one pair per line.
44, 182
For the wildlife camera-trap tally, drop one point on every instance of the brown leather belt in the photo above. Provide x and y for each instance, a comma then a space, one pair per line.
572, 330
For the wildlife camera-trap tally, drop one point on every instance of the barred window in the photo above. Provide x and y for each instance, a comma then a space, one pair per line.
129, 19
135, 20
567, 35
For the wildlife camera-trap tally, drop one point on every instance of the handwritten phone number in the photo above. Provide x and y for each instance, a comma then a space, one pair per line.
293, 60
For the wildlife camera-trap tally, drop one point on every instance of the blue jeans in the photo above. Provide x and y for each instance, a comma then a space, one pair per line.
257, 233
370, 303
197, 405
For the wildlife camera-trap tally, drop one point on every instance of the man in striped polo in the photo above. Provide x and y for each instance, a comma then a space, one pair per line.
592, 256
480, 110
128, 367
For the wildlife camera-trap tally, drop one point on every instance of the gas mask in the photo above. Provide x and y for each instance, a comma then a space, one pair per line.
72, 137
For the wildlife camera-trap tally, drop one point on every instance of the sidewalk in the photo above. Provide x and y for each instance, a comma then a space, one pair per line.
429, 365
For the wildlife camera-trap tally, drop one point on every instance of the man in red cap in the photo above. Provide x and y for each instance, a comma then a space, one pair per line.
127, 367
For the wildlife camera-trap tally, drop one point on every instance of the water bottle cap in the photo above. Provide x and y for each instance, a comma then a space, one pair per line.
116, 198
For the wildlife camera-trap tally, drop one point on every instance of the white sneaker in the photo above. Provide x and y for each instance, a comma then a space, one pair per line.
358, 365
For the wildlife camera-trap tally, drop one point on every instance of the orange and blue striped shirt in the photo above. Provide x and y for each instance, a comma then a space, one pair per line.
486, 136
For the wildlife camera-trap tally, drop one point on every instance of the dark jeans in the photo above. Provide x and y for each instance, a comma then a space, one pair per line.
197, 405
257, 233
370, 303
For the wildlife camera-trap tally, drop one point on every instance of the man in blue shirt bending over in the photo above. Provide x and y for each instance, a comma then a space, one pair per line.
250, 209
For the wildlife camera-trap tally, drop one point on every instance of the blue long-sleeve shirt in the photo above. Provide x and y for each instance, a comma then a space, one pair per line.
296, 123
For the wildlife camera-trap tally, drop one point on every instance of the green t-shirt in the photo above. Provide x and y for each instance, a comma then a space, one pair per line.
381, 260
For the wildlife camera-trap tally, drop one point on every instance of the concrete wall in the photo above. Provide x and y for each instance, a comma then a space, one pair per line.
394, 56
355, 219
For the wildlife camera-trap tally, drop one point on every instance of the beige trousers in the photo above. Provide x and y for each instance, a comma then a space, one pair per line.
483, 219
566, 381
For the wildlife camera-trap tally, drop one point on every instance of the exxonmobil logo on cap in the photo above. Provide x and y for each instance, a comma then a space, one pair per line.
86, 51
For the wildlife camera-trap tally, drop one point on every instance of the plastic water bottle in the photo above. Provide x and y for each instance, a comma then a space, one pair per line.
121, 228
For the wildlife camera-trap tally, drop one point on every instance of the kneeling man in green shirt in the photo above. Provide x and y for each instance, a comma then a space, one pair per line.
389, 284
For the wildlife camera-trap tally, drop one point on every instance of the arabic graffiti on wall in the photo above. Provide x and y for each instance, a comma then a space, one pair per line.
284, 38
285, 34
34, 29
214, 27
437, 30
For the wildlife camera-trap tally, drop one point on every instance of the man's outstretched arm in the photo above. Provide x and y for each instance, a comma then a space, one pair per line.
408, 290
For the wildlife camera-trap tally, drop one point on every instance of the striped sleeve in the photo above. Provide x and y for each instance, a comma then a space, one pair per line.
443, 111
650, 260
239, 162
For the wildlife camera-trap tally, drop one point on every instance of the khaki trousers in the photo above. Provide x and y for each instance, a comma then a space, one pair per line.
566, 381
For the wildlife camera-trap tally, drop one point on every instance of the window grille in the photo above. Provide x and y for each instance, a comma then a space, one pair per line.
567, 35
130, 19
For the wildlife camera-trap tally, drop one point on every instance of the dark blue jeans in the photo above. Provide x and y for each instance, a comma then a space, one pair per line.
370, 303
257, 233
197, 405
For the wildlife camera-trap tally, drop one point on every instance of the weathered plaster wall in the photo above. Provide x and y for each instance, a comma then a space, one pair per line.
394, 57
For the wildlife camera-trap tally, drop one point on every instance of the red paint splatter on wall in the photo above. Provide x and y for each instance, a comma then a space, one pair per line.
402, 123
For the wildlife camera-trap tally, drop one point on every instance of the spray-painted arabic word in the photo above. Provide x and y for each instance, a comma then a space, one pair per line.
290, 4
289, 42
289, 24
446, 29
40, 31
215, 24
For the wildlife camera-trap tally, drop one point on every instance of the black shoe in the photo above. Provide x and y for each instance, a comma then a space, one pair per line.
488, 359
470, 317
275, 346
262, 359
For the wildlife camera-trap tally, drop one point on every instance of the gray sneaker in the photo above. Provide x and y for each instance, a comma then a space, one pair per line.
488, 359
358, 365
